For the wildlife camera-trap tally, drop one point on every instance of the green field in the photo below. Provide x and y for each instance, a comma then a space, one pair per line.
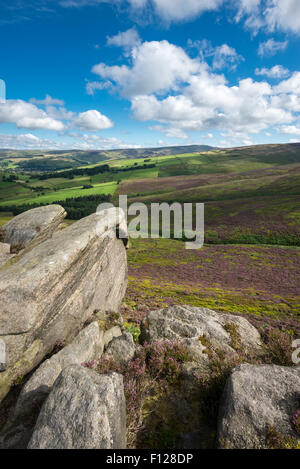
60, 195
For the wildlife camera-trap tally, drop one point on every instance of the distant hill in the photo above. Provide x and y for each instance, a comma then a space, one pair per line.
216, 158
97, 156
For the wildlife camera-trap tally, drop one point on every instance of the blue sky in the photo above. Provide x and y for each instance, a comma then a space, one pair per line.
135, 73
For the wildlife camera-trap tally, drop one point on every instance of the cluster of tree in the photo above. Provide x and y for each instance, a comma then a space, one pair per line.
76, 207
105, 168
45, 164
9, 178
76, 172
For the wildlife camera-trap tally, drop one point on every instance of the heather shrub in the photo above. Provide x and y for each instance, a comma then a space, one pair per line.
164, 359
134, 330
279, 348
153, 368
275, 440
212, 383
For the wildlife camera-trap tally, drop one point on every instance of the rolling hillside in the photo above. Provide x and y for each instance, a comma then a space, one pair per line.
250, 262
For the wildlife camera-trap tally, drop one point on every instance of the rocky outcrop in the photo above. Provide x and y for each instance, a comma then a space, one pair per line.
121, 349
84, 410
201, 330
257, 397
86, 347
33, 227
52, 290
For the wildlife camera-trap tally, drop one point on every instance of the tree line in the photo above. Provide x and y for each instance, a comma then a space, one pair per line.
76, 207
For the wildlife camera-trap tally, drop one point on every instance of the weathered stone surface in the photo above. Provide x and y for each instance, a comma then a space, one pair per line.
121, 349
4, 253
109, 335
87, 346
256, 397
52, 290
200, 328
33, 227
84, 410
4, 249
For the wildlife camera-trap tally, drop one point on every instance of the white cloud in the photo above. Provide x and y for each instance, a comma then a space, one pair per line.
209, 103
171, 132
278, 71
75, 141
270, 15
283, 15
92, 86
180, 10
55, 116
28, 116
292, 85
226, 56
271, 47
92, 121
156, 67
222, 56
290, 129
96, 142
24, 141
164, 84
48, 101
247, 7
168, 10
126, 39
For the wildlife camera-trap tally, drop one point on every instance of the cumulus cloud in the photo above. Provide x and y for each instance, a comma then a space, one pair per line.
271, 47
209, 103
292, 85
156, 67
182, 94
126, 39
278, 71
92, 121
54, 116
28, 116
283, 15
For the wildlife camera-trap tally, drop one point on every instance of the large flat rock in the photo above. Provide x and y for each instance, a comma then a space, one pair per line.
87, 346
52, 290
33, 227
201, 330
84, 410
255, 398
